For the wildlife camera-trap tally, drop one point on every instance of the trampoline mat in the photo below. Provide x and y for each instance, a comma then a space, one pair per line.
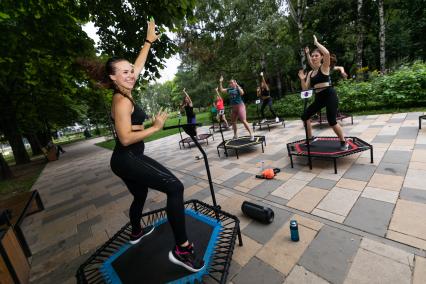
243, 141
270, 121
148, 262
324, 146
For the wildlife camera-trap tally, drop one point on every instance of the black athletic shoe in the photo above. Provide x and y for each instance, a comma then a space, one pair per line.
312, 140
344, 146
185, 257
134, 239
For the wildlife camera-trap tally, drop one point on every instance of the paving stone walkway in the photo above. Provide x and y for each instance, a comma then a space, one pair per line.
366, 224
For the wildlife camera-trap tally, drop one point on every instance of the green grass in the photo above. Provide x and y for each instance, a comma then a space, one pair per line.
24, 176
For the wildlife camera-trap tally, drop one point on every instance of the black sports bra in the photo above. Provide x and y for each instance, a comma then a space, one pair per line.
319, 78
138, 116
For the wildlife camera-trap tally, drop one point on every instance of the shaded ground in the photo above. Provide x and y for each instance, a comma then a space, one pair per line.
24, 177
365, 224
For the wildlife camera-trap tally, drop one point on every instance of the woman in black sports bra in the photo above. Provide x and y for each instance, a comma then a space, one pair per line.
325, 95
138, 171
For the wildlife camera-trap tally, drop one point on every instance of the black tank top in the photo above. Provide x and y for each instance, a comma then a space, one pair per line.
189, 110
137, 117
265, 94
319, 78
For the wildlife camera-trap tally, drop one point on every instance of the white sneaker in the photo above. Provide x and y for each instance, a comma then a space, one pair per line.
263, 121
251, 137
277, 119
235, 137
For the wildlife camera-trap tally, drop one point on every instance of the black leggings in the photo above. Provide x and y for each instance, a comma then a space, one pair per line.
267, 102
140, 172
328, 99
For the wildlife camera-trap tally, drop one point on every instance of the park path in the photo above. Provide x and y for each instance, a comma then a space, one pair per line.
366, 224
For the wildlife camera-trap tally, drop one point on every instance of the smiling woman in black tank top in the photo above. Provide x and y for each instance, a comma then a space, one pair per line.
325, 95
138, 171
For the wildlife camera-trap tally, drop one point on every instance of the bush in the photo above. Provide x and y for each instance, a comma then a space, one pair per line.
405, 87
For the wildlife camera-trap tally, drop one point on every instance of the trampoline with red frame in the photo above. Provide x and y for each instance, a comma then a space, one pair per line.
327, 147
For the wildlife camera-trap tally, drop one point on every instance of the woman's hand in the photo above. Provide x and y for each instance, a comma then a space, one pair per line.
315, 41
261, 74
151, 35
159, 120
307, 49
217, 90
302, 75
221, 79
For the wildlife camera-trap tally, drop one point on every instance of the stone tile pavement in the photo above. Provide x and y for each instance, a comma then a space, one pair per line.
366, 224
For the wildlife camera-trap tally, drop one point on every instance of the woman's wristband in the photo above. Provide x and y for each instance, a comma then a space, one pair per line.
148, 41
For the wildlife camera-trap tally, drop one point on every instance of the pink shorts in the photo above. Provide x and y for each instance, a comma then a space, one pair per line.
239, 111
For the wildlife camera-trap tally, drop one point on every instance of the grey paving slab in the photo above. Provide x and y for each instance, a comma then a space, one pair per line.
85, 226
64, 272
397, 157
396, 120
360, 172
263, 233
266, 187
66, 211
413, 115
276, 199
231, 166
322, 183
392, 169
370, 215
330, 254
407, 133
117, 183
256, 271
237, 179
383, 139
375, 126
420, 146
413, 194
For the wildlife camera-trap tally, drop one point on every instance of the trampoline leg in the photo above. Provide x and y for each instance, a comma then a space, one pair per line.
420, 122
240, 239
291, 161
236, 152
218, 152
335, 165
263, 150
352, 119
371, 155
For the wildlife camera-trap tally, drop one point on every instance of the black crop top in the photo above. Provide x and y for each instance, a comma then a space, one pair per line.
319, 78
189, 110
138, 115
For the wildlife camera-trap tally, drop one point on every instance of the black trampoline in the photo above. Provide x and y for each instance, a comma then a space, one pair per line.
324, 147
268, 123
214, 230
327, 148
322, 119
420, 120
240, 143
215, 128
188, 140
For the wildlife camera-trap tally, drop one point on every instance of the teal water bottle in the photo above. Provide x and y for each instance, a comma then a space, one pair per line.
294, 231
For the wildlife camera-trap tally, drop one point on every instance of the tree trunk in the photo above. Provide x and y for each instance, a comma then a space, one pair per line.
360, 35
382, 37
34, 143
9, 127
5, 172
297, 16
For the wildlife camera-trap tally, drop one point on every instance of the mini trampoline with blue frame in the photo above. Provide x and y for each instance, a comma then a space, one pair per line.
215, 232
